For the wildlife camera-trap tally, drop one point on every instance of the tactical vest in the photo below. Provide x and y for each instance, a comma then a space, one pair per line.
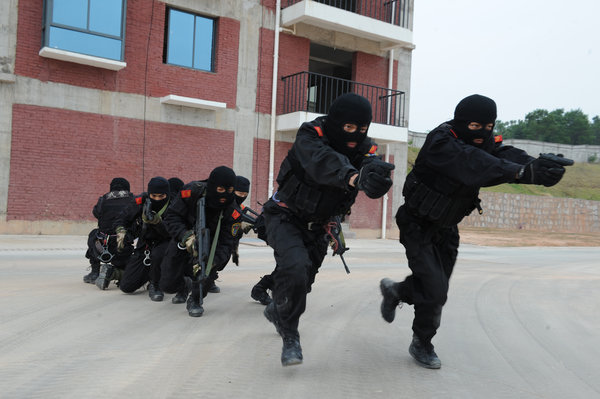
438, 199
112, 204
309, 201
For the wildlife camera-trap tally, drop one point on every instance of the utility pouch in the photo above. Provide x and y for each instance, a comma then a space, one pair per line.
307, 199
439, 208
289, 189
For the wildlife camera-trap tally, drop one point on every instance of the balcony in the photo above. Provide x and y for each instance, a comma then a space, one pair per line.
383, 21
308, 95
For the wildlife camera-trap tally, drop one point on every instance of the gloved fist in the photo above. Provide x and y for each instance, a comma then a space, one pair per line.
121, 233
374, 178
541, 171
189, 242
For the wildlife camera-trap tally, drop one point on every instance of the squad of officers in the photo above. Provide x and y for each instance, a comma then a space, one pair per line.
175, 238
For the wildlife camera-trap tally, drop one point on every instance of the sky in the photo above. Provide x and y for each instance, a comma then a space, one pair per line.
524, 54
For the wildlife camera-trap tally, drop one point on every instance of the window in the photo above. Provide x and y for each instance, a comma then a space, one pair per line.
190, 40
91, 27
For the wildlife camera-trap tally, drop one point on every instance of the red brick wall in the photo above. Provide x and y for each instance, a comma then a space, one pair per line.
373, 70
145, 29
62, 161
293, 57
260, 169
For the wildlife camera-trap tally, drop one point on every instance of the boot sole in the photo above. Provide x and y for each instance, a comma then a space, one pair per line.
292, 362
422, 364
382, 288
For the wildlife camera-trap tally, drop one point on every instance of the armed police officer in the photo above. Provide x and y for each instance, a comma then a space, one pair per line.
178, 274
232, 231
143, 220
331, 159
457, 158
102, 242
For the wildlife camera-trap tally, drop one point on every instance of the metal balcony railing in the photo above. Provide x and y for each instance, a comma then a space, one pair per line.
313, 92
392, 11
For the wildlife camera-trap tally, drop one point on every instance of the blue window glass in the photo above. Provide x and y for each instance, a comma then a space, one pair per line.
190, 40
92, 27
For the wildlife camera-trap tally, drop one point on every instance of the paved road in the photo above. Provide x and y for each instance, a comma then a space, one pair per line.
519, 323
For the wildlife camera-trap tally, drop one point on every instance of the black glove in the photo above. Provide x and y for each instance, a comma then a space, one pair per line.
541, 171
374, 178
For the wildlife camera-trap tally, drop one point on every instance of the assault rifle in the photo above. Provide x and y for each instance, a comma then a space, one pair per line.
202, 247
247, 215
557, 158
336, 239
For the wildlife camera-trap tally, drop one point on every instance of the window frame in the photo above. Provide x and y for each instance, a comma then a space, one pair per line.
48, 23
213, 39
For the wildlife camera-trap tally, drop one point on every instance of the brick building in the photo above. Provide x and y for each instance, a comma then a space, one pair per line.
94, 89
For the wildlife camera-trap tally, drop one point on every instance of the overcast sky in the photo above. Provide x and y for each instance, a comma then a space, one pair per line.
524, 54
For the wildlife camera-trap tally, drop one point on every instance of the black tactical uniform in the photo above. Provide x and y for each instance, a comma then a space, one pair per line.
314, 186
102, 243
143, 220
439, 192
231, 233
180, 222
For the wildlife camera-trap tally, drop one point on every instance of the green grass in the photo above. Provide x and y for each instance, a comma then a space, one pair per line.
581, 180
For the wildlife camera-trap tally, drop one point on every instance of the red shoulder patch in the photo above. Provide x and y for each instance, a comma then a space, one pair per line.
186, 193
319, 131
498, 138
235, 214
138, 200
373, 149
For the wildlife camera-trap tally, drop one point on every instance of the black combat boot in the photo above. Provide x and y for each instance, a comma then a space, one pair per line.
291, 353
424, 354
212, 287
271, 314
155, 293
390, 299
194, 302
106, 274
182, 295
91, 277
259, 293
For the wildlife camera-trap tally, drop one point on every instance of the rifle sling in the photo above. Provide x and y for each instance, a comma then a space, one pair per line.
213, 247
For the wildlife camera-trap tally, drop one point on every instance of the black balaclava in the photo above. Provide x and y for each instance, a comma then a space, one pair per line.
224, 177
347, 108
175, 184
159, 185
241, 184
119, 184
475, 108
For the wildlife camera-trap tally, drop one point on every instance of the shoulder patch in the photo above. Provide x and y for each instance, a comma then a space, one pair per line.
498, 138
235, 214
138, 200
319, 131
373, 150
186, 193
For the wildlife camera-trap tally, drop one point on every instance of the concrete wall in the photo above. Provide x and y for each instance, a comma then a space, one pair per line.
528, 212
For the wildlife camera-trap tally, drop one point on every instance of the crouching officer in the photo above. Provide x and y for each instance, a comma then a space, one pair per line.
232, 231
102, 241
143, 220
331, 159
457, 158
178, 275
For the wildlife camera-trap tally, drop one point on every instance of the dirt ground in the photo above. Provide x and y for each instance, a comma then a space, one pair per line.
525, 238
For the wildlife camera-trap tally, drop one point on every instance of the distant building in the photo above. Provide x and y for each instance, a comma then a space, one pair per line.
92, 89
